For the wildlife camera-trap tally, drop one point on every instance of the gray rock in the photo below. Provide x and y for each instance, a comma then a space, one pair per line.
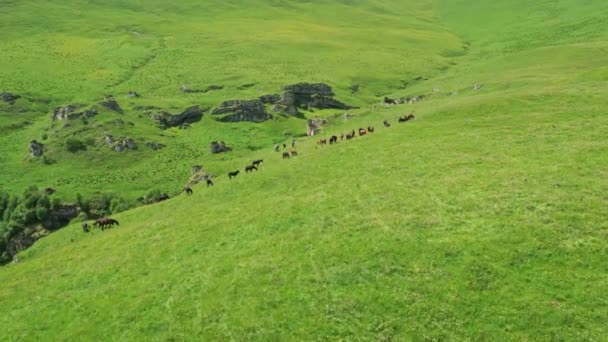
133, 94
9, 98
110, 103
36, 148
310, 89
166, 120
314, 125
67, 112
242, 110
219, 147
309, 95
197, 168
118, 148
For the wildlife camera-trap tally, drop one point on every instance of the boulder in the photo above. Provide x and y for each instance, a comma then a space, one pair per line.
110, 103
197, 168
219, 147
133, 94
124, 144
36, 148
9, 98
242, 110
166, 120
302, 89
67, 112
314, 125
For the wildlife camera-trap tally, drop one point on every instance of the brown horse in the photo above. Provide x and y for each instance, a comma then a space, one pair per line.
362, 132
105, 222
233, 174
370, 129
294, 153
386, 123
322, 142
250, 168
257, 162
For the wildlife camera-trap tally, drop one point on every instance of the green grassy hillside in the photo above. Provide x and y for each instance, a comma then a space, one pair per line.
482, 219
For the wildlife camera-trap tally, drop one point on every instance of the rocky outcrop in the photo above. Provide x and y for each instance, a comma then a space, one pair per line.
69, 112
110, 103
166, 120
36, 148
9, 98
307, 96
124, 144
219, 147
242, 110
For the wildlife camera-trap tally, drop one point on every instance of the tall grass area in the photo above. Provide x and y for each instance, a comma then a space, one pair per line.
482, 219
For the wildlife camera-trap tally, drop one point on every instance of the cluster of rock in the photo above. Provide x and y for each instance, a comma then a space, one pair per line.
242, 110
187, 90
9, 98
219, 147
120, 144
403, 100
296, 96
198, 175
154, 145
70, 112
167, 120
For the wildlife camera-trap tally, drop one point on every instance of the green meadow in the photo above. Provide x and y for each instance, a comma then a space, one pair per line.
484, 218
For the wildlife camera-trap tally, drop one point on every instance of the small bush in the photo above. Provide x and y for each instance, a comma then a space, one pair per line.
74, 145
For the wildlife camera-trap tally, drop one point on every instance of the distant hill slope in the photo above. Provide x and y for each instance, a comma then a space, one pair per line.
482, 218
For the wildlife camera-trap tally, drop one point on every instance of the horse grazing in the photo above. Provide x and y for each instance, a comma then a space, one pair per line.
233, 174
209, 182
333, 140
406, 118
285, 155
257, 162
322, 142
370, 129
386, 123
188, 191
294, 153
250, 168
105, 222
389, 100
362, 132
85, 227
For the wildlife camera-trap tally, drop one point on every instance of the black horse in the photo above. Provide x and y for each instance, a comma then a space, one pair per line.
85, 227
188, 191
257, 162
233, 174
209, 182
333, 140
386, 123
250, 168
285, 155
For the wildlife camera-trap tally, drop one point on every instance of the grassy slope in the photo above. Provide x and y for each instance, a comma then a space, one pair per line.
58, 53
483, 218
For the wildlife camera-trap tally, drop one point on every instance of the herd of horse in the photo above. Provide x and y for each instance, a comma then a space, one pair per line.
106, 222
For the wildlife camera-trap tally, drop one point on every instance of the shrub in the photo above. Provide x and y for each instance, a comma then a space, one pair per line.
74, 145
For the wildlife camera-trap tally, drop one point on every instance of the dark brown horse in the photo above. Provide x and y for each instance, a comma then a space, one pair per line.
209, 182
294, 153
362, 132
285, 155
370, 129
386, 123
250, 168
188, 191
105, 222
257, 162
85, 227
233, 174
322, 142
333, 140
406, 118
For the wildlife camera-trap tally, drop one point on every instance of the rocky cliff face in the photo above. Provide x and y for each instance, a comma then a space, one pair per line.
242, 110
307, 96
166, 120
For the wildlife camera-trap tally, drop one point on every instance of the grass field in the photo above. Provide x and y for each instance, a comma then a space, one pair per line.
482, 219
